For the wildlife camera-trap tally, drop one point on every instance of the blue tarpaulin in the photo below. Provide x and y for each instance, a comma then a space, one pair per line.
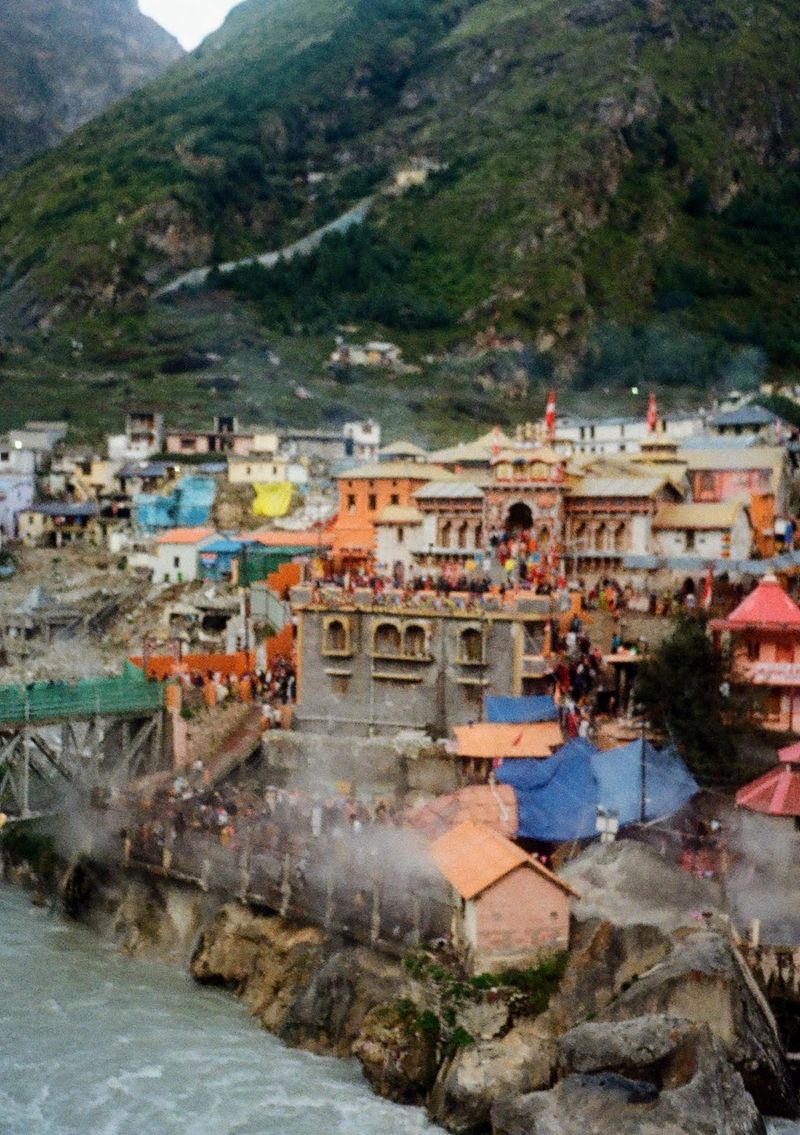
558, 798
520, 711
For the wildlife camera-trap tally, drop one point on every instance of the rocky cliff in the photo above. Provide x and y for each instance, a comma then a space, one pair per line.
639, 1029
64, 61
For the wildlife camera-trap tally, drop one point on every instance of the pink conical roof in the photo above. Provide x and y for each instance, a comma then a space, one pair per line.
769, 603
790, 754
777, 793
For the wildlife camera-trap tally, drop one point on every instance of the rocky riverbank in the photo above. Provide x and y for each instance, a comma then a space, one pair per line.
645, 1027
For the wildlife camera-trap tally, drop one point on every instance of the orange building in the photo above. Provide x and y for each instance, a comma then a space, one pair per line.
365, 490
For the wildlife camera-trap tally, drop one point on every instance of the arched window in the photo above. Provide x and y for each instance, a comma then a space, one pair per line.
444, 537
387, 639
462, 534
619, 538
336, 637
470, 644
414, 641
601, 538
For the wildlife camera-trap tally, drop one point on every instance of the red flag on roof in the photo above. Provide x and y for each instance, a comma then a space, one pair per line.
550, 415
652, 414
708, 590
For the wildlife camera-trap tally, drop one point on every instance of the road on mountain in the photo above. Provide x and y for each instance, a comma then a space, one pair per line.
197, 276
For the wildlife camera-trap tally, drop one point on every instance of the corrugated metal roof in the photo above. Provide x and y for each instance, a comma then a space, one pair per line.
750, 415
618, 487
479, 450
397, 470
472, 857
402, 449
735, 457
185, 535
399, 514
699, 516
768, 603
491, 804
449, 490
486, 739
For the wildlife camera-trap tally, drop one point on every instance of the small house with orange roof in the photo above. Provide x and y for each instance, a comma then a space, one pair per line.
508, 908
177, 557
763, 634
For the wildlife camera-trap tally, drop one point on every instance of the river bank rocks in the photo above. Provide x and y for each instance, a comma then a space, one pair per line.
653, 1027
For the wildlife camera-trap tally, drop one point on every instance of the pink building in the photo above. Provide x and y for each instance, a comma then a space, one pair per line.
764, 637
508, 908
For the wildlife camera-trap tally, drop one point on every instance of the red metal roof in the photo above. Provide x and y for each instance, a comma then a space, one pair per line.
777, 793
769, 604
790, 754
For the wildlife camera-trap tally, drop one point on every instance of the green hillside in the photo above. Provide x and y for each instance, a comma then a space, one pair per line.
614, 188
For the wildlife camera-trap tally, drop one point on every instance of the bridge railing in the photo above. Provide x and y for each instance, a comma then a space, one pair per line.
46, 701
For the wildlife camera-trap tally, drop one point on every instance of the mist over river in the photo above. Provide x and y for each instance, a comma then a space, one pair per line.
93, 1043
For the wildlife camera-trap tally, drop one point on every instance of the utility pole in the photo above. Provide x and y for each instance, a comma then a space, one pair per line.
643, 777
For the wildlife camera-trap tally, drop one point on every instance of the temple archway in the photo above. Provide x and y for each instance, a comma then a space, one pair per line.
519, 518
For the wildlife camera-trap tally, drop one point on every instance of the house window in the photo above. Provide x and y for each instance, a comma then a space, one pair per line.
690, 541
394, 499
473, 696
470, 645
400, 536
176, 561
784, 652
387, 639
351, 502
753, 650
248, 471
336, 637
4, 456
372, 502
187, 443
414, 644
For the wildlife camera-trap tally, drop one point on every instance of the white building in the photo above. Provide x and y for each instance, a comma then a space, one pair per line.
362, 440
707, 531
176, 555
258, 470
620, 435
16, 494
143, 437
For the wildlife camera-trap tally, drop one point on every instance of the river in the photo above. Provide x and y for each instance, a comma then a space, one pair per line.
93, 1043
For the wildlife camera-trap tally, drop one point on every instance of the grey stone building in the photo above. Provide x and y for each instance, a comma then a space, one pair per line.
367, 669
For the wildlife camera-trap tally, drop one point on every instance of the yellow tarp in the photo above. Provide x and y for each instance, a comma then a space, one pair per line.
272, 500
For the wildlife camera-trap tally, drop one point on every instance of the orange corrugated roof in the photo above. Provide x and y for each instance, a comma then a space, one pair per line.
185, 535
472, 857
278, 538
489, 740
491, 804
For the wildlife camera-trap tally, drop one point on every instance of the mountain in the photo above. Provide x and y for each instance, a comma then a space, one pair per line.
62, 62
607, 196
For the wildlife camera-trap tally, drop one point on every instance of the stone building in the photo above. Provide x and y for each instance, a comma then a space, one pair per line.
369, 669
526, 494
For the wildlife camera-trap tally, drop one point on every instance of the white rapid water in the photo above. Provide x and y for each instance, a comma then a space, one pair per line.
92, 1043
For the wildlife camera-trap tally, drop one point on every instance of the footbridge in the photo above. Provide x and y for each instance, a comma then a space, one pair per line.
57, 738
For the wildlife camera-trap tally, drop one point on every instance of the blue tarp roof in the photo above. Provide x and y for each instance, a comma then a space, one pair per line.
520, 711
219, 545
558, 797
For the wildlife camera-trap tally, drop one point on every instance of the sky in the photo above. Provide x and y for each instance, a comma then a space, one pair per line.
188, 20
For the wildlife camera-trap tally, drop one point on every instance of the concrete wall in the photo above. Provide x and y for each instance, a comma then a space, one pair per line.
373, 768
360, 690
166, 570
